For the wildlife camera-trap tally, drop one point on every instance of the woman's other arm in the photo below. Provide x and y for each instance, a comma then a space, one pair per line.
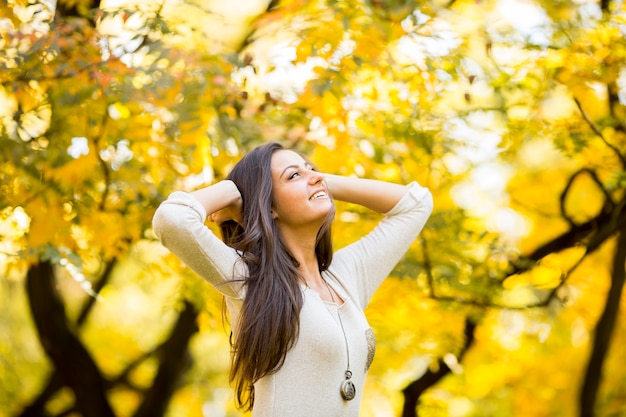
376, 195
365, 263
179, 222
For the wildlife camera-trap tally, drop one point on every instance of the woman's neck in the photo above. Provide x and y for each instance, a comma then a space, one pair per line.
301, 245
303, 250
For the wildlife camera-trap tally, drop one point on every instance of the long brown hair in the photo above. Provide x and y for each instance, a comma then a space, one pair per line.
270, 317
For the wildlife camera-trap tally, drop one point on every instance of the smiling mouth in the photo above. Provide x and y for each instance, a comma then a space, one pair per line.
317, 195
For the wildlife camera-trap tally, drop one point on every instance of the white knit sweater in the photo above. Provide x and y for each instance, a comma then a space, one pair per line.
308, 383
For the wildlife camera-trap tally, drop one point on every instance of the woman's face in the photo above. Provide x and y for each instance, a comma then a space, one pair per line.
300, 194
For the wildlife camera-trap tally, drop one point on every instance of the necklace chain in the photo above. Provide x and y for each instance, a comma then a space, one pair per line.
345, 338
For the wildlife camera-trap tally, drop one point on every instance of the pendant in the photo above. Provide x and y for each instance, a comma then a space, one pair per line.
348, 391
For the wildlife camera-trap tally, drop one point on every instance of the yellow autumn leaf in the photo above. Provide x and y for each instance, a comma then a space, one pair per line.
543, 277
47, 224
75, 171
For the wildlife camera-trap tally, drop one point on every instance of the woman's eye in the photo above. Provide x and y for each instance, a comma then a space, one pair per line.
293, 175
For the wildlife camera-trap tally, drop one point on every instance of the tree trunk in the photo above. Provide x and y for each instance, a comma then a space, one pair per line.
604, 330
71, 359
55, 383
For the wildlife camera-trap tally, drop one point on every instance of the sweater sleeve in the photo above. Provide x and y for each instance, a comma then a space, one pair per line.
179, 223
364, 264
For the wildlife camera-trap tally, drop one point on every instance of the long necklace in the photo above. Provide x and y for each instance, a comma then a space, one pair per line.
347, 388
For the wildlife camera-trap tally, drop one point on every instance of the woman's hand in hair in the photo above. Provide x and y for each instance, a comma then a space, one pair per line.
222, 201
228, 213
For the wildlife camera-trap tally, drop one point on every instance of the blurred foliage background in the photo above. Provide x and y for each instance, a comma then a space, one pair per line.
513, 112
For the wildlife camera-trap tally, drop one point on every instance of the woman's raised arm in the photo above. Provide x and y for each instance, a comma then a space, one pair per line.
376, 195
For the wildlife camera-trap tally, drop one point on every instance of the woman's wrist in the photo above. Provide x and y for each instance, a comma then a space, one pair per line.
233, 196
218, 196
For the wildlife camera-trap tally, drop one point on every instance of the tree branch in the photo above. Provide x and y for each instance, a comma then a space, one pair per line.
613, 102
428, 267
577, 234
415, 389
271, 5
597, 131
604, 330
102, 281
67, 9
608, 201
174, 358
106, 172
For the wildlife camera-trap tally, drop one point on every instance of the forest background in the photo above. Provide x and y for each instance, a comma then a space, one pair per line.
513, 112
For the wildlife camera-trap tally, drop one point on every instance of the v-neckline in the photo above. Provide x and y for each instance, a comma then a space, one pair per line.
342, 297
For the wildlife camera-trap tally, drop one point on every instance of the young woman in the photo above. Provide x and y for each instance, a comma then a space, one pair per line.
301, 343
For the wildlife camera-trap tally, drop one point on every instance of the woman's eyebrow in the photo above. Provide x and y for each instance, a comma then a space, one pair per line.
306, 165
286, 168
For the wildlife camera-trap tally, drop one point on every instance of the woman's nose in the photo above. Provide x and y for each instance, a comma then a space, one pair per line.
315, 177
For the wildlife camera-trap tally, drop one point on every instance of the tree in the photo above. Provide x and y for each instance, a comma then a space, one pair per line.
570, 59
76, 101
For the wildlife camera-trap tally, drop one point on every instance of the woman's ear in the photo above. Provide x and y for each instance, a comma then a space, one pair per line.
274, 214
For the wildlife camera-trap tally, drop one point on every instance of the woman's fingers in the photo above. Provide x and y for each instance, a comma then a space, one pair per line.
226, 214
